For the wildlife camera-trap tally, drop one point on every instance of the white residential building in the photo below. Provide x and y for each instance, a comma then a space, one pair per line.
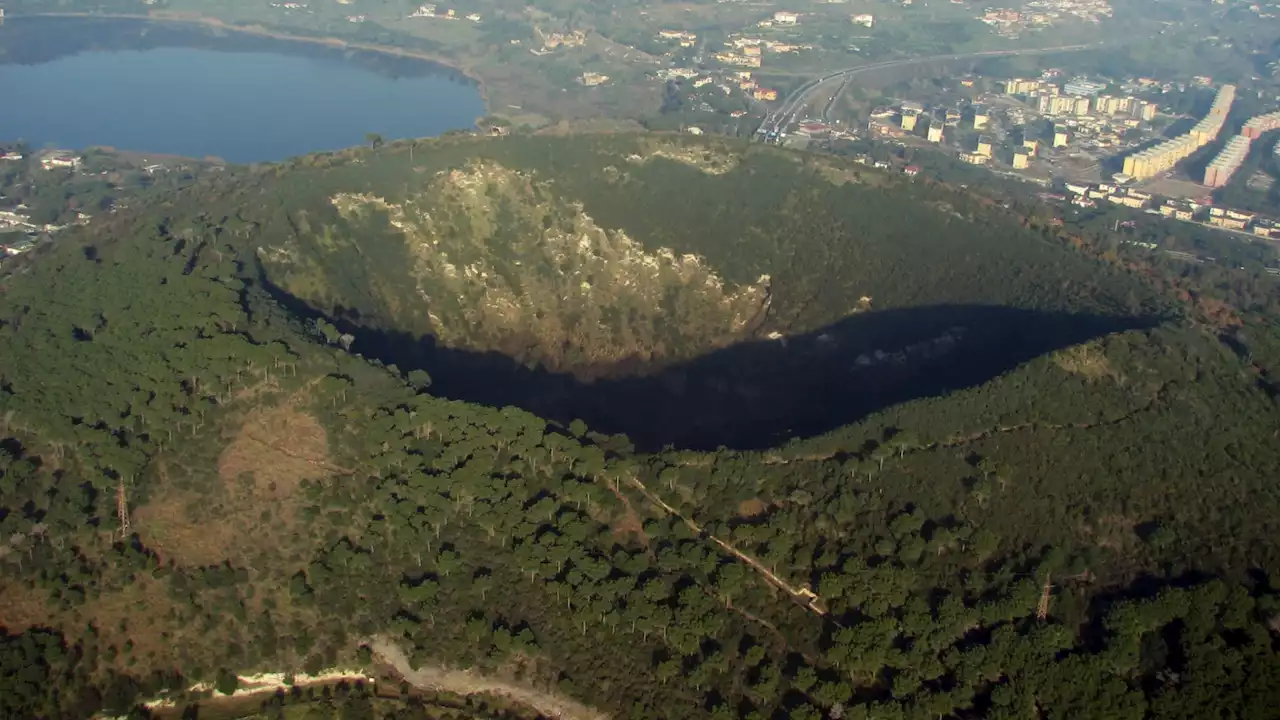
59, 161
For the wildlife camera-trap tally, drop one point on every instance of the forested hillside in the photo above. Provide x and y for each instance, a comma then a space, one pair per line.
649, 426
593, 283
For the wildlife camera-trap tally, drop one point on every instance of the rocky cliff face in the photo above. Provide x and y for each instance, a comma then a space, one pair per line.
496, 260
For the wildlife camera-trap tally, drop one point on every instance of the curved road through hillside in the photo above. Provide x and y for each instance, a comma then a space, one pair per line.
784, 115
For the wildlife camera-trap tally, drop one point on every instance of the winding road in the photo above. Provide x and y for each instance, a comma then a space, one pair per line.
470, 682
780, 118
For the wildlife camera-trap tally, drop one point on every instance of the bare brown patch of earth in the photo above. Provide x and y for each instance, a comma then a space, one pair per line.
1087, 360
274, 450
1112, 531
137, 613
279, 447
135, 616
22, 607
751, 508
257, 390
628, 523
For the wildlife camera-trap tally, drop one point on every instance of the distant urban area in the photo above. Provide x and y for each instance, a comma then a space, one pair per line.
1093, 101
1086, 140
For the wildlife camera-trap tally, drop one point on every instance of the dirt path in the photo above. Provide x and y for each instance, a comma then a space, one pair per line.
961, 440
806, 596
323, 465
249, 694
469, 683
803, 595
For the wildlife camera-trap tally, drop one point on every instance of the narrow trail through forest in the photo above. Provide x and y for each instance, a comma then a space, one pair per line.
957, 441
323, 465
802, 595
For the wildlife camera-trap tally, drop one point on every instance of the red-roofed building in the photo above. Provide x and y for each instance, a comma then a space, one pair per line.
911, 170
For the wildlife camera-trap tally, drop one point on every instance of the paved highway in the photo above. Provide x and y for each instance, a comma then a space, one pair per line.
780, 118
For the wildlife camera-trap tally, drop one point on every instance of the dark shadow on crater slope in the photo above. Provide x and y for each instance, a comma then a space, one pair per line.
758, 393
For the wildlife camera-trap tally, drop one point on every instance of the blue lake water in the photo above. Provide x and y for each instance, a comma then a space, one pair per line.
239, 106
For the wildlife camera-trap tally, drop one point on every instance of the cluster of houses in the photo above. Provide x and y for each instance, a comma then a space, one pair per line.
56, 160
1089, 195
555, 40
1200, 210
429, 11
1012, 22
741, 79
749, 51
909, 170
49, 160
18, 247
684, 37
782, 17
20, 232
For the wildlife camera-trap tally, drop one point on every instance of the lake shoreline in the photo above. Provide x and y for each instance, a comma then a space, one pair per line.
198, 88
265, 32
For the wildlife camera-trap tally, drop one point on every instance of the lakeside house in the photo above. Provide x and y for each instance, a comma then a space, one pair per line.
59, 159
20, 246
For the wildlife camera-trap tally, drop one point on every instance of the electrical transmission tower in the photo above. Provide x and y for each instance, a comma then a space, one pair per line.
1042, 611
122, 509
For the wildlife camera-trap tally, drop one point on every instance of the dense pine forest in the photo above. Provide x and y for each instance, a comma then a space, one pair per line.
642, 426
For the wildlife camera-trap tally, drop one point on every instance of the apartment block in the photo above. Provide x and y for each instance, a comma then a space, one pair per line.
1163, 157
1019, 86
1219, 172
1112, 105
1260, 124
1232, 156
1063, 105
